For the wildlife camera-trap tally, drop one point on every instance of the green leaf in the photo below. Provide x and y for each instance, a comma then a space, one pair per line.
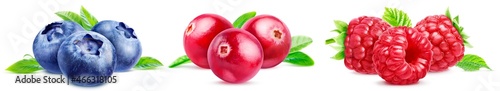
26, 65
299, 58
340, 38
299, 42
179, 61
447, 13
70, 16
88, 20
396, 17
238, 23
147, 63
329, 41
337, 31
455, 20
339, 56
341, 26
471, 62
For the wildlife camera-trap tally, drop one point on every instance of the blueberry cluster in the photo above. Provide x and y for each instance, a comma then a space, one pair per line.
65, 47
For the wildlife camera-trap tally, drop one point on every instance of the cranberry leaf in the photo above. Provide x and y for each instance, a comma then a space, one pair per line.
299, 58
240, 21
396, 17
146, 63
179, 61
88, 20
471, 62
299, 42
25, 66
70, 16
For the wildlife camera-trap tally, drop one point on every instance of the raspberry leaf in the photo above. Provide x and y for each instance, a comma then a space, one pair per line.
396, 17
455, 21
88, 20
339, 39
341, 26
70, 16
299, 58
146, 63
339, 56
299, 42
238, 23
26, 65
472, 62
179, 61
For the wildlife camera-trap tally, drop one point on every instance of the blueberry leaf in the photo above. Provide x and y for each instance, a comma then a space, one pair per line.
70, 16
88, 20
26, 65
299, 42
179, 61
299, 58
396, 17
238, 23
147, 63
471, 62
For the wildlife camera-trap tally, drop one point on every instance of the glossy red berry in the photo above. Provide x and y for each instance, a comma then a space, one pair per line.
235, 55
448, 43
402, 55
362, 32
198, 35
274, 36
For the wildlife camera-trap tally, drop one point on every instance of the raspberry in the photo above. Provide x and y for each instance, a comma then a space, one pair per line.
362, 32
402, 55
447, 39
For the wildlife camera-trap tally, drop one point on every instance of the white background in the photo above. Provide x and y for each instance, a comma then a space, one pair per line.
160, 26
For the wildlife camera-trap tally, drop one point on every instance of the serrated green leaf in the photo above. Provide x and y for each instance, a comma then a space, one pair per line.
341, 26
329, 41
396, 17
299, 58
339, 56
25, 66
146, 63
70, 16
340, 38
299, 42
88, 20
179, 61
471, 62
240, 21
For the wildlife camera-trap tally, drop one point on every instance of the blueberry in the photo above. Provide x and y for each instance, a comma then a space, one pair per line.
47, 41
87, 55
128, 47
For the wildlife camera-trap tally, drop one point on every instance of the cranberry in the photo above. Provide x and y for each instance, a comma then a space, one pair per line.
274, 37
235, 55
198, 35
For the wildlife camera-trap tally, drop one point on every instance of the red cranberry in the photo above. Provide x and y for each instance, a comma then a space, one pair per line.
274, 37
235, 55
198, 35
